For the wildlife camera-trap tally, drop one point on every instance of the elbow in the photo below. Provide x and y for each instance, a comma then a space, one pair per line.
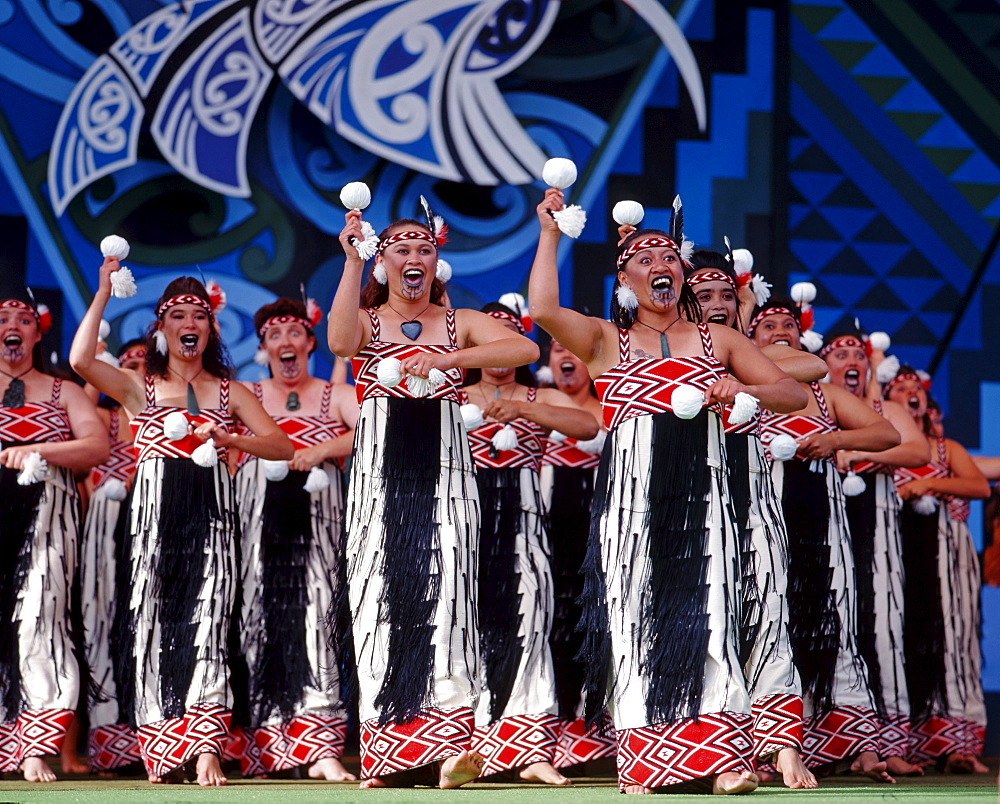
890, 437
983, 490
285, 449
528, 352
795, 397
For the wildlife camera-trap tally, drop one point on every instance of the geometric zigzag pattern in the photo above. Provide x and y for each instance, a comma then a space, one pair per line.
577, 743
8, 748
937, 737
168, 744
41, 732
894, 736
777, 724
300, 741
657, 756
513, 742
842, 733
113, 746
432, 735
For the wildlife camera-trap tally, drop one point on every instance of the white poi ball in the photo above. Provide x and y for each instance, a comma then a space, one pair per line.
628, 213
783, 447
115, 246
559, 172
355, 195
687, 401
880, 341
803, 292
175, 426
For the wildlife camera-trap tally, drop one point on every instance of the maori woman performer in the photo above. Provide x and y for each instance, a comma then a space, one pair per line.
517, 727
567, 479
413, 512
48, 429
661, 592
113, 743
773, 682
941, 607
291, 522
175, 618
873, 517
822, 601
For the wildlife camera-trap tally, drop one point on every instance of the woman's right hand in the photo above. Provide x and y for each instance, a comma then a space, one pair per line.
352, 228
108, 267
552, 202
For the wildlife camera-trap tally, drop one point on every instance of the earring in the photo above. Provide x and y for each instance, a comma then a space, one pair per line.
626, 297
160, 341
379, 273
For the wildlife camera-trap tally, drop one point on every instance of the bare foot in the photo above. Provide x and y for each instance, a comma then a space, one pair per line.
731, 783
764, 776
544, 772
868, 764
331, 770
368, 784
958, 763
977, 766
209, 771
176, 776
898, 766
636, 790
794, 773
36, 769
459, 769
67, 755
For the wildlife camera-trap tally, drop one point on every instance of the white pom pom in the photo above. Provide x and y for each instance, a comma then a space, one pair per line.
388, 372
853, 484
115, 246
418, 386
687, 250
515, 302
803, 292
317, 480
628, 213
35, 469
472, 415
123, 284
925, 505
571, 220
505, 438
443, 271
544, 376
436, 378
559, 173
378, 272
355, 195
626, 297
160, 342
261, 359
557, 437
887, 369
880, 341
206, 455
742, 260
110, 359
103, 330
274, 471
175, 426
744, 407
761, 289
368, 246
783, 447
114, 489
812, 340
687, 401
923, 375
594, 446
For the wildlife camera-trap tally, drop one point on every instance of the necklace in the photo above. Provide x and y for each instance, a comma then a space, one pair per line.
410, 327
664, 346
292, 403
192, 400
13, 397
496, 388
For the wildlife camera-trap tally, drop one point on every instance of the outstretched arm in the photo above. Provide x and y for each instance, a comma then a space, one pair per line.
345, 328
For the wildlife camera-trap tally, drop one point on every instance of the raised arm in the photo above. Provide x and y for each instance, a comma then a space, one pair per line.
120, 384
579, 333
345, 326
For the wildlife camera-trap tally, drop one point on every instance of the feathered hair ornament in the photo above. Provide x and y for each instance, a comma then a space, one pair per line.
314, 314
216, 296
435, 223
676, 231
742, 261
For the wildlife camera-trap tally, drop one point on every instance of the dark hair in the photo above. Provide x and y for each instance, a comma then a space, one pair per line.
140, 341
284, 306
215, 359
38, 362
686, 301
777, 301
523, 375
374, 293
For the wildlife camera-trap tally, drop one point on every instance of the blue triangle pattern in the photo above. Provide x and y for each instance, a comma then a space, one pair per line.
946, 133
915, 292
846, 27
879, 62
880, 257
977, 169
815, 186
848, 221
912, 98
814, 254
847, 289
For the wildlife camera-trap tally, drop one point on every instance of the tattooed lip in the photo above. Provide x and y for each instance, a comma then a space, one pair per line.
190, 341
718, 318
662, 283
413, 276
567, 367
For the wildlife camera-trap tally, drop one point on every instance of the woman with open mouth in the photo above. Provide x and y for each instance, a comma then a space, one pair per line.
413, 509
516, 722
840, 719
941, 602
291, 523
43, 421
774, 685
660, 602
873, 517
176, 613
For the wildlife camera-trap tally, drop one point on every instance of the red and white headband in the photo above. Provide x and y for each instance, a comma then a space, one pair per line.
769, 311
400, 236
845, 342
137, 352
710, 275
41, 314
183, 298
653, 241
508, 317
908, 375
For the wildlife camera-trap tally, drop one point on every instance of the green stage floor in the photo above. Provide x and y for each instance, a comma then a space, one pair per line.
932, 788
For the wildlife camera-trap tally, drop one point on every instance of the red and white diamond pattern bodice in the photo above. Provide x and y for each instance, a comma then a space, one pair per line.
530, 443
36, 422
566, 453
869, 467
752, 426
958, 507
365, 363
150, 442
796, 425
121, 461
639, 387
